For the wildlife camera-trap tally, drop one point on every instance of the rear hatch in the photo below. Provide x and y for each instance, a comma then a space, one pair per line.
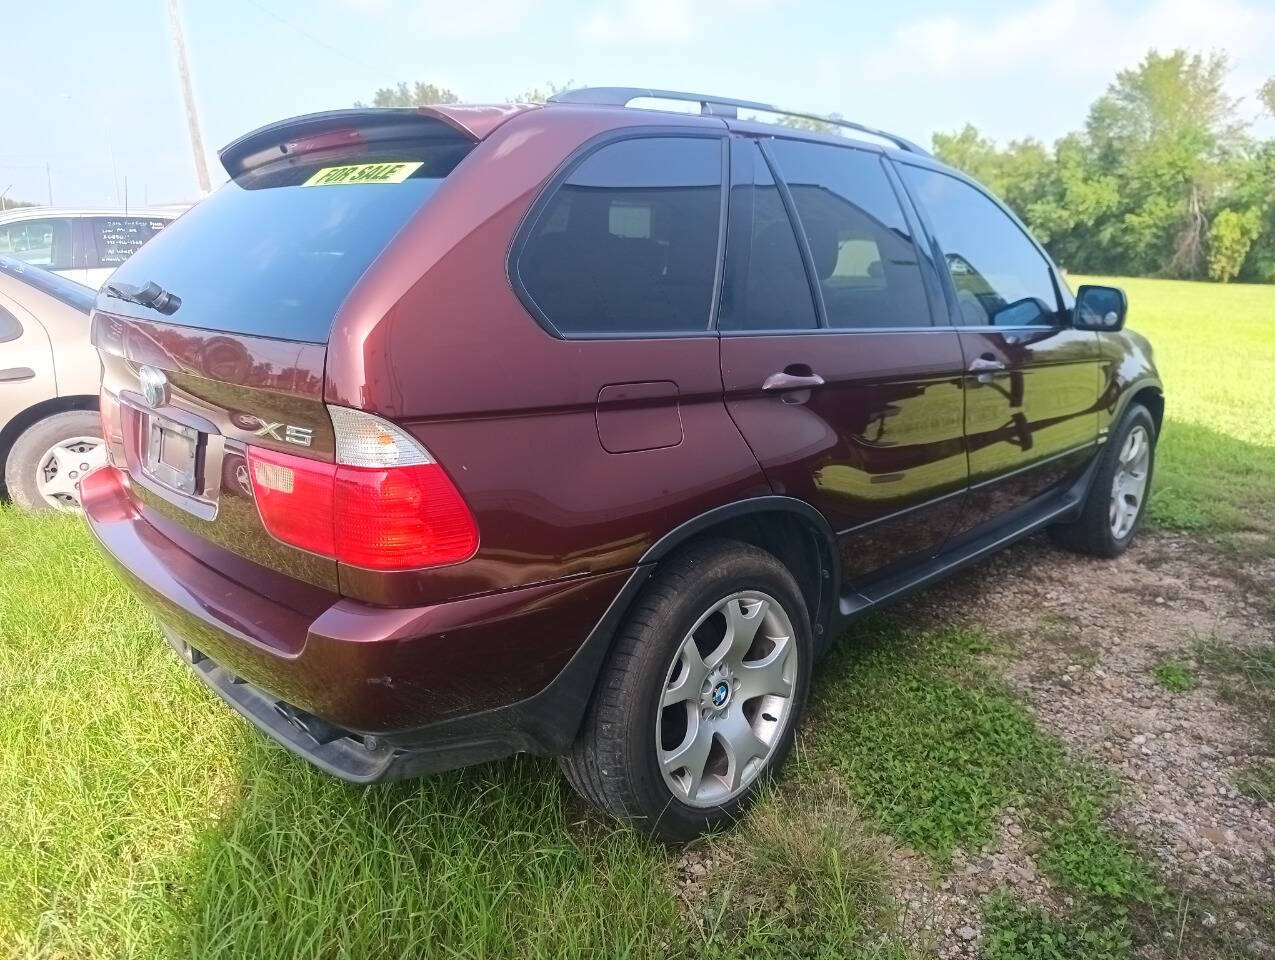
213, 337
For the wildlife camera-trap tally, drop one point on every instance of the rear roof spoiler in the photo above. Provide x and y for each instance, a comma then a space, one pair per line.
338, 128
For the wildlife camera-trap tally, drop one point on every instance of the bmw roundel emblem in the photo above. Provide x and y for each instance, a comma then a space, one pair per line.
720, 693
154, 385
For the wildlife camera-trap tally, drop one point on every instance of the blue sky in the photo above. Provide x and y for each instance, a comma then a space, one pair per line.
94, 94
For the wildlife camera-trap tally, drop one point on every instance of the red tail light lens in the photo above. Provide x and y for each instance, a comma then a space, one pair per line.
294, 497
396, 518
400, 518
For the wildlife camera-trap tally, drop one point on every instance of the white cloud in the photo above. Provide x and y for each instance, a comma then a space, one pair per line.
453, 20
1036, 69
1081, 38
659, 21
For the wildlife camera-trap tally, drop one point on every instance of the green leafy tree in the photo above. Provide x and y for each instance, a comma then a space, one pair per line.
1165, 131
419, 94
812, 125
1140, 190
1230, 236
541, 94
1266, 95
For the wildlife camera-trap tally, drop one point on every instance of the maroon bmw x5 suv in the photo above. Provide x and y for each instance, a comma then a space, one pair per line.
438, 435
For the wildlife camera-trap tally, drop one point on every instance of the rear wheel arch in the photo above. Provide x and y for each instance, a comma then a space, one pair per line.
791, 530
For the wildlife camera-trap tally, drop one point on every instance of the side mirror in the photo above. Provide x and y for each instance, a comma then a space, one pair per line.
1100, 308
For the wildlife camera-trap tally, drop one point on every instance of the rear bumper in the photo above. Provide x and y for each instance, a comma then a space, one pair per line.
372, 693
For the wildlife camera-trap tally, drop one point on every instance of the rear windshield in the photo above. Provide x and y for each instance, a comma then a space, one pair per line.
275, 252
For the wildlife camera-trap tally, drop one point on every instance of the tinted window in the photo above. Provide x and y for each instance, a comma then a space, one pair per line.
859, 240
273, 255
44, 243
1000, 277
766, 283
628, 243
118, 238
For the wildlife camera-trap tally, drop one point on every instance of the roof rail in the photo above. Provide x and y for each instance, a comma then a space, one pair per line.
719, 107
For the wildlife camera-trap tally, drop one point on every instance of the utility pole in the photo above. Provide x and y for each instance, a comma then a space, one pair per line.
48, 175
188, 95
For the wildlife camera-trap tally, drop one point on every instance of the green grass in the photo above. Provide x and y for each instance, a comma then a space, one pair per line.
1215, 347
1014, 931
141, 818
1174, 676
933, 751
1258, 782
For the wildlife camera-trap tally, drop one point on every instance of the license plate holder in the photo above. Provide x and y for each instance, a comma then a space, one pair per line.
172, 454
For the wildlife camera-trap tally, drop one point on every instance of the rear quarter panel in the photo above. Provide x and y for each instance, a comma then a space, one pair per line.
435, 338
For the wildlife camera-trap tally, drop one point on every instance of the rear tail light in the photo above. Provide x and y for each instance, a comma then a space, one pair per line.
294, 496
385, 504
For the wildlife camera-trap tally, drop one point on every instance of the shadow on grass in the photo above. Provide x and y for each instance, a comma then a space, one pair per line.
1209, 482
477, 863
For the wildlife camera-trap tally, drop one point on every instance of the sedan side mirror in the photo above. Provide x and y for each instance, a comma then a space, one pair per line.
1099, 308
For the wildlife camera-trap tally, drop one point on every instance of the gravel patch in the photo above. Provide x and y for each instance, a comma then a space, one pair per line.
1087, 635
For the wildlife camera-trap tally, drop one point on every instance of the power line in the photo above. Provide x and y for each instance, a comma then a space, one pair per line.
314, 39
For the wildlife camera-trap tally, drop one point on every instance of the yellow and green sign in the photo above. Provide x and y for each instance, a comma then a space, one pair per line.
363, 173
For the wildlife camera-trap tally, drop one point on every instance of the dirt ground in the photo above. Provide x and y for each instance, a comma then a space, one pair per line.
1087, 636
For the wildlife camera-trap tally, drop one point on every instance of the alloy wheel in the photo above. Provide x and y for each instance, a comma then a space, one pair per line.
726, 699
1129, 486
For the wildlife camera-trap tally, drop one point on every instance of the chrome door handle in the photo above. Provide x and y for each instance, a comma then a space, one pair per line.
778, 382
986, 365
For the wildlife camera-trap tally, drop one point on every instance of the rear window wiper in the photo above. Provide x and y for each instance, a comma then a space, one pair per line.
149, 295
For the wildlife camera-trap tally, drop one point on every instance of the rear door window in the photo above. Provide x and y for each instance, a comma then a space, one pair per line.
115, 239
860, 245
276, 251
766, 284
42, 243
627, 244
1001, 279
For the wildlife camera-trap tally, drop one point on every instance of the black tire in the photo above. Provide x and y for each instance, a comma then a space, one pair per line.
1091, 532
614, 762
33, 443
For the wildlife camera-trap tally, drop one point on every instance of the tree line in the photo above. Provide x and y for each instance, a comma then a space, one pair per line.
1164, 179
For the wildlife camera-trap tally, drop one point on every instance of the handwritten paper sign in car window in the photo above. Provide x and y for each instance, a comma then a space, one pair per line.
118, 238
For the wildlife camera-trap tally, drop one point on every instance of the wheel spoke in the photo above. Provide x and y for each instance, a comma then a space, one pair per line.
742, 622
691, 754
691, 676
741, 745
60, 482
1130, 451
1129, 485
758, 678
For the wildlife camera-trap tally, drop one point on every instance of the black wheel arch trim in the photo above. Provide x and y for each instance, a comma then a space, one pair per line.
733, 511
824, 604
1131, 391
